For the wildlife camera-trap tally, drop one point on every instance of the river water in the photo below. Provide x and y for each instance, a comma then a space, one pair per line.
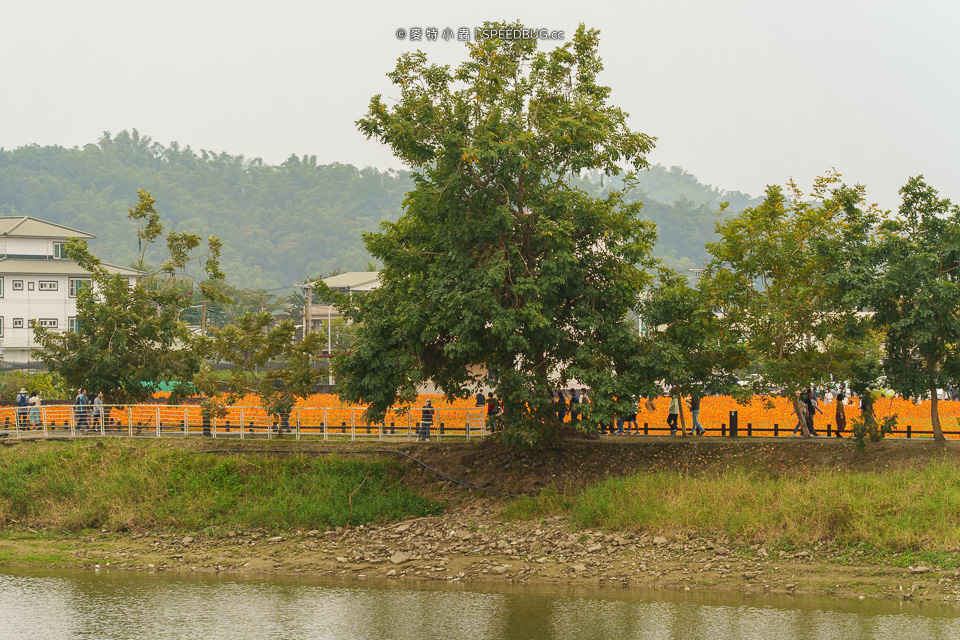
119, 605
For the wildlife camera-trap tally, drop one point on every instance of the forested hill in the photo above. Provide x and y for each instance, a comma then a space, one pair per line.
278, 223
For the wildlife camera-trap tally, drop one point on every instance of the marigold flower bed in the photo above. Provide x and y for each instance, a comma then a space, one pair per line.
328, 409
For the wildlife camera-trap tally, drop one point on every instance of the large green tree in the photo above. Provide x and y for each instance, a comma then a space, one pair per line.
915, 294
778, 277
129, 337
498, 263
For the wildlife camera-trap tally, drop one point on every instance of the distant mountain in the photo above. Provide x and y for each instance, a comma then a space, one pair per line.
279, 223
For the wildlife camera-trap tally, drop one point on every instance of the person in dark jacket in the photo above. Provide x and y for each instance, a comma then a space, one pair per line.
426, 421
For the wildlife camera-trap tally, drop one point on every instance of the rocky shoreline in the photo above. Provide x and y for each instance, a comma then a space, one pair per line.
474, 546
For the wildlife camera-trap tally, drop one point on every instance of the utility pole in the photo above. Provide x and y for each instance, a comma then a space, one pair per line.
308, 303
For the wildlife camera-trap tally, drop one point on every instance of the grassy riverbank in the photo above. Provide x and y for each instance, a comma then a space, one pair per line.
897, 510
122, 485
898, 497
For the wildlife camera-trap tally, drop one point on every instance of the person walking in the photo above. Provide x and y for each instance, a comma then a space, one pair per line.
631, 418
695, 426
811, 404
493, 409
673, 413
618, 419
80, 409
23, 406
841, 415
97, 413
426, 421
34, 409
561, 405
574, 406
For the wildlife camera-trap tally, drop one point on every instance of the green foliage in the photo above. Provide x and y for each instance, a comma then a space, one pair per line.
915, 294
498, 263
46, 384
868, 427
129, 337
266, 360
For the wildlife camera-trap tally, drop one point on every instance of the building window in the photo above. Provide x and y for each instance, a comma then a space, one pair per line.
49, 323
18, 285
1, 326
72, 324
76, 284
48, 285
1, 287
18, 323
59, 249
29, 286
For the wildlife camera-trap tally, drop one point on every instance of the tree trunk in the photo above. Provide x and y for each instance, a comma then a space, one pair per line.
801, 412
683, 422
935, 416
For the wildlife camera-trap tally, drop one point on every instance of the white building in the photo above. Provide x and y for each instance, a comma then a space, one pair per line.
350, 282
38, 283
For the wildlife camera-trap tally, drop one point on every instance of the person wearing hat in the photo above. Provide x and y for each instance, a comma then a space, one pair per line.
23, 406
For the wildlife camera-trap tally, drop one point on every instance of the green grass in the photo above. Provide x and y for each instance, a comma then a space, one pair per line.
129, 486
915, 509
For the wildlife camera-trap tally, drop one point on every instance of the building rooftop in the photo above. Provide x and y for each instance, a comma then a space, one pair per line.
29, 227
354, 281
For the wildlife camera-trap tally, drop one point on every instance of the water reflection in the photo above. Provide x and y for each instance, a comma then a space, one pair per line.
123, 606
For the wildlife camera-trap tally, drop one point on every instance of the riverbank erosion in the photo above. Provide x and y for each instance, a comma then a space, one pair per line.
785, 516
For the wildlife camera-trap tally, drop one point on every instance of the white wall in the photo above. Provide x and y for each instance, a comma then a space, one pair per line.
30, 246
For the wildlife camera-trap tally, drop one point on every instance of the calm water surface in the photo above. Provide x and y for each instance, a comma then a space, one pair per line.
111, 605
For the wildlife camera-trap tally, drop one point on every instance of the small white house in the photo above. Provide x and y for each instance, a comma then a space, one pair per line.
38, 283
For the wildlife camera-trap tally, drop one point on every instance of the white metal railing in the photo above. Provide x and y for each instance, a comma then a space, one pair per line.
160, 420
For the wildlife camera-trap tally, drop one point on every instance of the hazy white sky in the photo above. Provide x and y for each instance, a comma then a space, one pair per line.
741, 93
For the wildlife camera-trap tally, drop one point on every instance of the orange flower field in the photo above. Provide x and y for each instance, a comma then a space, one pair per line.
715, 410
327, 410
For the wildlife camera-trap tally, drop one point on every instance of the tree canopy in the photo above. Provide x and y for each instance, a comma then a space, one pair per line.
499, 264
915, 294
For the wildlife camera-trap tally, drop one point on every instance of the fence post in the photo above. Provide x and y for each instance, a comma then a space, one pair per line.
186, 422
242, 427
158, 422
776, 429
733, 424
828, 429
43, 419
723, 429
646, 429
298, 424
909, 431
130, 420
749, 429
